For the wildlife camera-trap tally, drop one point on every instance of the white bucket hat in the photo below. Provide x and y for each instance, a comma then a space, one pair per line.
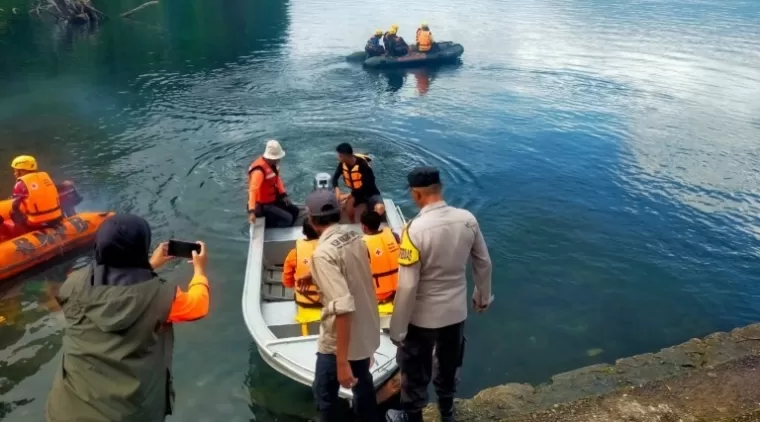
273, 150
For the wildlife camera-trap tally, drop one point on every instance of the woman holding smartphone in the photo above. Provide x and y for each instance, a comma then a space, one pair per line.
118, 337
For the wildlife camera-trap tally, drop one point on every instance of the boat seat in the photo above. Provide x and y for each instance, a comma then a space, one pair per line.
279, 313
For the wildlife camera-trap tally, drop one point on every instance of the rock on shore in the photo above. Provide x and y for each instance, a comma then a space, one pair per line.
716, 378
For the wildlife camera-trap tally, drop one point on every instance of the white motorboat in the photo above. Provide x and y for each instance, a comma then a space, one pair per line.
287, 340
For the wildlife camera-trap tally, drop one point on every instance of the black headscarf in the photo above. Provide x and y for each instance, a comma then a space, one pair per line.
122, 245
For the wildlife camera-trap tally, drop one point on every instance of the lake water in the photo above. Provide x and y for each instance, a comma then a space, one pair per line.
609, 149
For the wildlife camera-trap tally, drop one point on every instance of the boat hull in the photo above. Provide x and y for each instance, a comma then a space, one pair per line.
25, 252
447, 52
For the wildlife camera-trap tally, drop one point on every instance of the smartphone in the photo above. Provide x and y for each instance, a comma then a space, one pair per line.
183, 249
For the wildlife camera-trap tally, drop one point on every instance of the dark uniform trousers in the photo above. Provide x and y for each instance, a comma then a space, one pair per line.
415, 359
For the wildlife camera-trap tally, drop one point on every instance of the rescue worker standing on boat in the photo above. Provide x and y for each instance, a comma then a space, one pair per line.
266, 193
360, 178
424, 38
383, 255
296, 267
431, 305
35, 200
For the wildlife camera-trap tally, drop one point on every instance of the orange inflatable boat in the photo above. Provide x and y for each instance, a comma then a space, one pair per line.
27, 251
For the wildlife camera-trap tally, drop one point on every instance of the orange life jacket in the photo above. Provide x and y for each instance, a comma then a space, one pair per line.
424, 40
42, 205
352, 176
269, 190
383, 253
304, 250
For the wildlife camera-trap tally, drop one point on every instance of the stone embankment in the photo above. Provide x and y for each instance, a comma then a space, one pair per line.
714, 379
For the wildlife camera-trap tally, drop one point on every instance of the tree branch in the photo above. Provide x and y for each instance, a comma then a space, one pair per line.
138, 8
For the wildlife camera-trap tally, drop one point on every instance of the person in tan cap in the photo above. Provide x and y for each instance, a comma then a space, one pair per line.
349, 332
266, 193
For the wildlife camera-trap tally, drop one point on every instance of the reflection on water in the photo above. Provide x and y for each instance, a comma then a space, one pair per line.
30, 335
274, 396
607, 148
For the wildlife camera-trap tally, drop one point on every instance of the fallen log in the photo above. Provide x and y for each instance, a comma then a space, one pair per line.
139, 8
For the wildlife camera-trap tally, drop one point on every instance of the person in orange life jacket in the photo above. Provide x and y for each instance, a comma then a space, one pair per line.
373, 47
359, 177
266, 192
35, 200
296, 272
396, 46
424, 39
382, 245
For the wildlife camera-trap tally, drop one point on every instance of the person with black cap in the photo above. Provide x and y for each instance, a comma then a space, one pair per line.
349, 332
431, 305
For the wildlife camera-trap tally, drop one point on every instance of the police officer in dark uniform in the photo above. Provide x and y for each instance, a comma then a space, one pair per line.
431, 304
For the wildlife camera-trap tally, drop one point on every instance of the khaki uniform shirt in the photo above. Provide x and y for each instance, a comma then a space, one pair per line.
340, 268
432, 287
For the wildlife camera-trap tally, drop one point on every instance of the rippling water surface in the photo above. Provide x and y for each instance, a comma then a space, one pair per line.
609, 149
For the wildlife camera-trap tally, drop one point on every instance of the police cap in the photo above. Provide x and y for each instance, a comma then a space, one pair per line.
422, 177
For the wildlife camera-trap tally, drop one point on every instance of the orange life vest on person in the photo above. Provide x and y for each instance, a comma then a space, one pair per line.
424, 40
383, 252
351, 175
268, 192
304, 250
42, 205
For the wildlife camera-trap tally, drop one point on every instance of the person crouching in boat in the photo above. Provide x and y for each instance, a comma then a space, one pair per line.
396, 46
118, 337
296, 268
383, 248
35, 200
360, 178
394, 27
266, 193
425, 42
373, 47
349, 331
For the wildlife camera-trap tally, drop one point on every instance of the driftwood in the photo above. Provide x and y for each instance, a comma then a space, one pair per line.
139, 8
74, 11
79, 11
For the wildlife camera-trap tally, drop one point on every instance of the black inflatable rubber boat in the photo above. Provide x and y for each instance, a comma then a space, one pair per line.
444, 52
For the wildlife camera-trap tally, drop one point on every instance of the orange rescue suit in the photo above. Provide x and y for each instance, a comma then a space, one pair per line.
352, 175
304, 250
42, 204
383, 252
424, 40
264, 185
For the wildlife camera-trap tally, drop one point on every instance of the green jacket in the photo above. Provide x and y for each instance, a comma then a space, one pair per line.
117, 350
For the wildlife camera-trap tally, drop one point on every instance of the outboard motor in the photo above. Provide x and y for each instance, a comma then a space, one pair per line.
322, 181
68, 197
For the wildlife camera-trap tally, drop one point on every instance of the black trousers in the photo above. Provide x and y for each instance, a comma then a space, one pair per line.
278, 213
415, 359
326, 388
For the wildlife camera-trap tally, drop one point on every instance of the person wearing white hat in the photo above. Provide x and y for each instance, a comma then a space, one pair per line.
266, 193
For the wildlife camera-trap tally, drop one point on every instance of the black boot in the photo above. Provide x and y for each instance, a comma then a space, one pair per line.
446, 408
